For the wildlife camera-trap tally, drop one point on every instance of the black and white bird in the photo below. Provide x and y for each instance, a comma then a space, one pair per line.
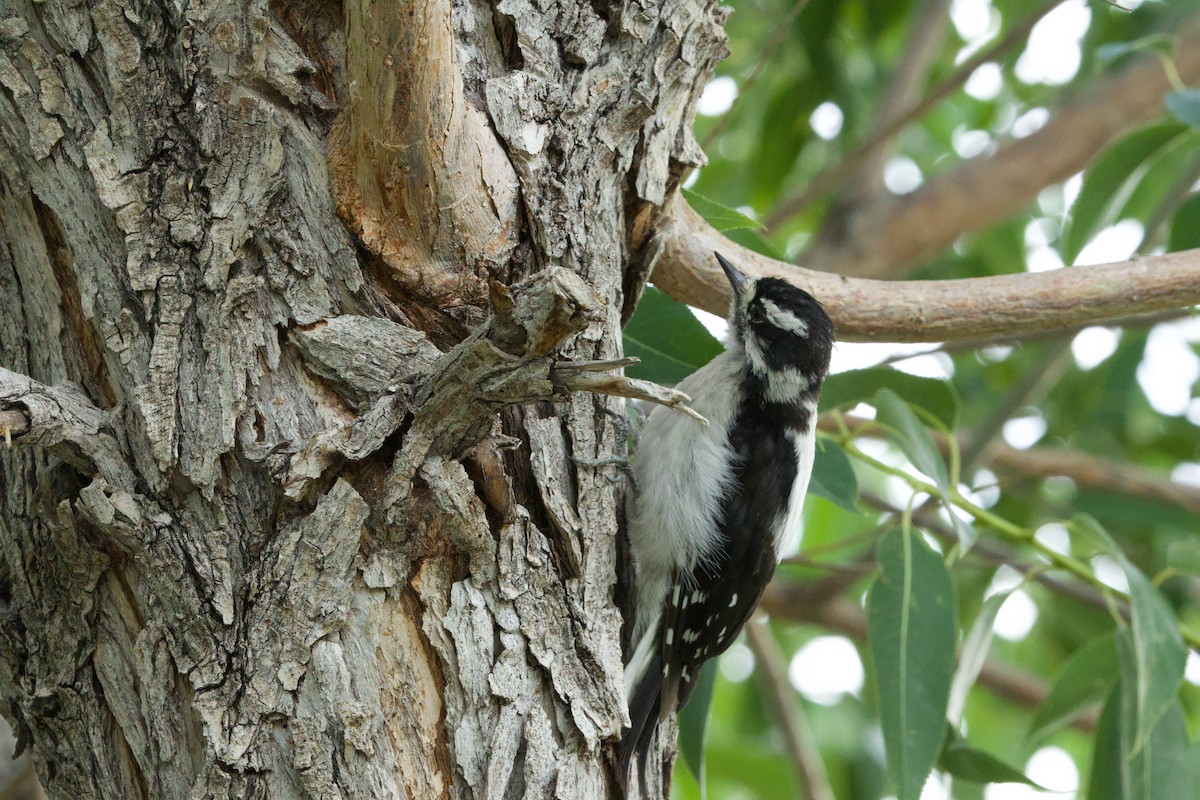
717, 506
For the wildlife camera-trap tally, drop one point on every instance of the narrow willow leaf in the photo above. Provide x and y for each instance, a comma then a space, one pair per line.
693, 723
908, 434
721, 217
1164, 769
1184, 105
1160, 655
1109, 182
971, 658
963, 761
1085, 679
1108, 54
833, 477
911, 634
845, 389
1185, 228
668, 338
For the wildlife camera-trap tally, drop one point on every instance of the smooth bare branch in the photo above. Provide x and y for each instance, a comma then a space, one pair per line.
897, 233
866, 310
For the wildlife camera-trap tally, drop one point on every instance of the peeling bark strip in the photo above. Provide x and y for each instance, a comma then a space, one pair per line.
251, 542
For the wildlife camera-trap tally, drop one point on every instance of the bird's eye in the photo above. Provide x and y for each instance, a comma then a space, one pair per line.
756, 314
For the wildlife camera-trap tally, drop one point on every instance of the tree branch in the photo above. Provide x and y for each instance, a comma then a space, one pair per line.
1094, 472
773, 680
930, 311
899, 232
864, 177
63, 420
838, 173
417, 171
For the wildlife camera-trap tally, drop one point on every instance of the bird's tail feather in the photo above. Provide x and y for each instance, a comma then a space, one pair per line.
644, 695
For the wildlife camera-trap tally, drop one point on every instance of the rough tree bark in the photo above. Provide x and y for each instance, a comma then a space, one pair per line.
290, 511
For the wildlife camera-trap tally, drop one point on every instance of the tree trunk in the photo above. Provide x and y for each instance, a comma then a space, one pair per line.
291, 509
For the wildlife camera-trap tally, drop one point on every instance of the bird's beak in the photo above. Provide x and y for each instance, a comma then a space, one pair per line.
736, 279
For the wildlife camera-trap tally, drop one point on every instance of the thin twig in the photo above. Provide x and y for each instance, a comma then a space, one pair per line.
923, 43
1033, 384
835, 175
773, 682
764, 58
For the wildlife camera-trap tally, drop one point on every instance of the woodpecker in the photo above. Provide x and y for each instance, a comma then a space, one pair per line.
716, 506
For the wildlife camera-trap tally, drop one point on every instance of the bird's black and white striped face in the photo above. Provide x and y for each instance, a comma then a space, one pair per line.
784, 332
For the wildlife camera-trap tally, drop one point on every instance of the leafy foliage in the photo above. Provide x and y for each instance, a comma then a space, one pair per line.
1104, 561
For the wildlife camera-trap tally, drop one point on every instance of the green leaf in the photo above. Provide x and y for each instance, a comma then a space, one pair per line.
1109, 183
972, 655
1084, 679
1164, 769
693, 722
1178, 157
966, 763
1159, 655
860, 385
721, 217
1185, 227
909, 434
1184, 105
1108, 54
668, 338
833, 477
911, 633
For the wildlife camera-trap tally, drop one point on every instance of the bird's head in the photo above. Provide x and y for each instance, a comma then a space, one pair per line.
785, 334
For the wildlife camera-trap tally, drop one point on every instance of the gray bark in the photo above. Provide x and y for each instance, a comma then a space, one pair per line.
290, 510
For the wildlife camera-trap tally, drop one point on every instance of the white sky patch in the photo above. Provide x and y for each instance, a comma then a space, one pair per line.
826, 668
1039, 232
972, 19
860, 355
968, 143
1055, 536
1091, 347
1187, 473
691, 179
901, 175
1052, 55
1192, 673
717, 326
718, 96
995, 353
1017, 617
1114, 243
737, 663
1109, 572
1024, 432
1030, 122
826, 120
986, 488
1170, 367
1071, 188
1042, 259
1051, 767
937, 787
928, 365
1005, 579
986, 82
